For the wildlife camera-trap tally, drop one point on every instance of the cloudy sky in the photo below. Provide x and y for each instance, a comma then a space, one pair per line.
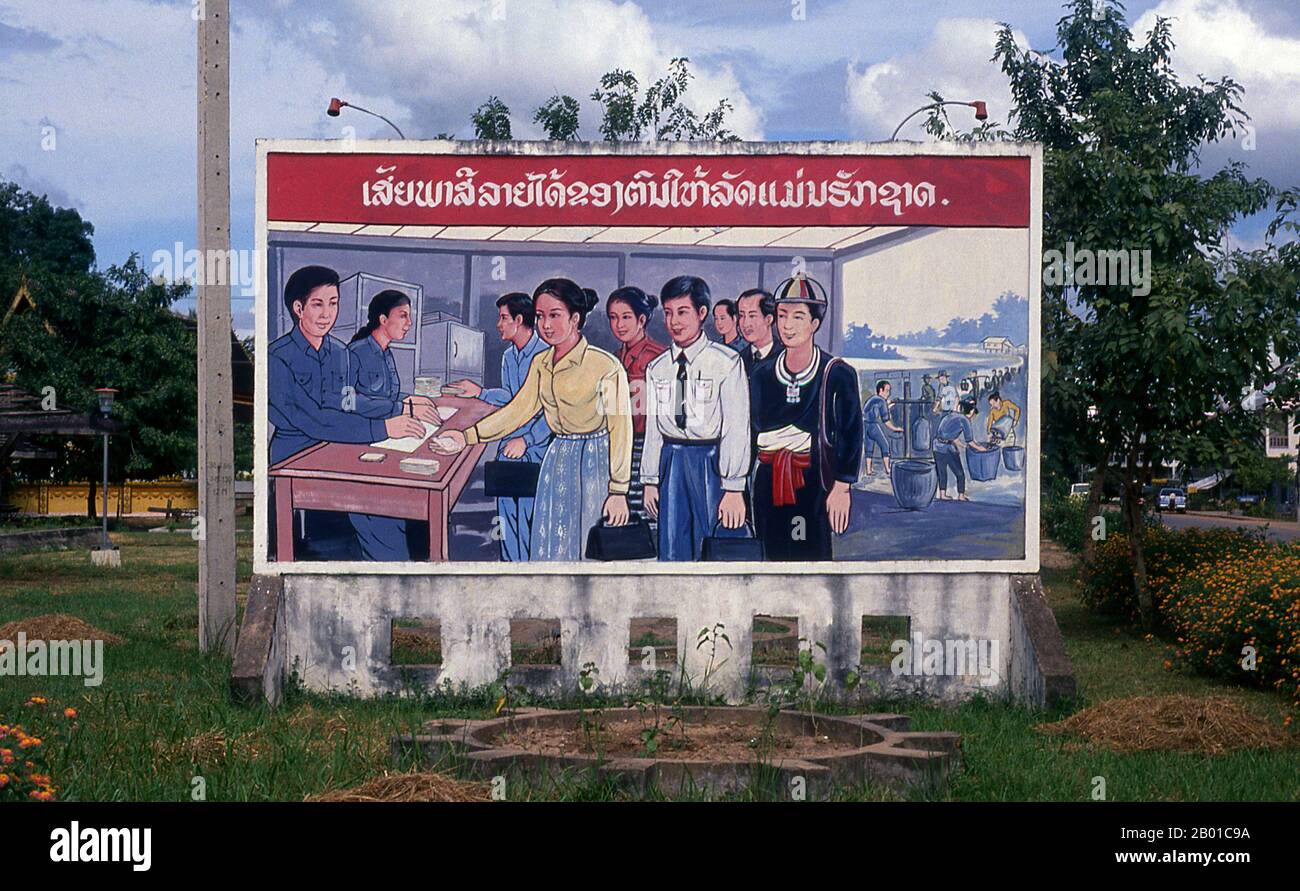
98, 108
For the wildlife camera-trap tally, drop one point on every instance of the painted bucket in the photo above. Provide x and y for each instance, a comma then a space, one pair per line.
915, 483
1013, 457
922, 437
983, 466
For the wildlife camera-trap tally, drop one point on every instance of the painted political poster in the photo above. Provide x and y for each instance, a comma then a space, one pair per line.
637, 359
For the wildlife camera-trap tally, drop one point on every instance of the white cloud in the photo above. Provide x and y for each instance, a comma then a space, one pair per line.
1219, 38
449, 57
119, 89
955, 62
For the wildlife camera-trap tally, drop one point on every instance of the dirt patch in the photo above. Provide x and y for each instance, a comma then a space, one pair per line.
55, 626
724, 741
409, 787
1209, 724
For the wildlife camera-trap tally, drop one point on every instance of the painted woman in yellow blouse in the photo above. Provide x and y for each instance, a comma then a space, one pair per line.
585, 396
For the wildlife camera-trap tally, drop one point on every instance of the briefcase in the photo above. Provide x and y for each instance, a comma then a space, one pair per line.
631, 542
732, 546
510, 479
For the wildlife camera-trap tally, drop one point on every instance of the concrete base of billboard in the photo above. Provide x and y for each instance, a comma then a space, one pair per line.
970, 633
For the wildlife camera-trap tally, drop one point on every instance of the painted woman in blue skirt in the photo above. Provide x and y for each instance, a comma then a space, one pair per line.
378, 393
583, 391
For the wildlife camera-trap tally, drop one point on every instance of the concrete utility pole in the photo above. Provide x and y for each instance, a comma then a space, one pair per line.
216, 520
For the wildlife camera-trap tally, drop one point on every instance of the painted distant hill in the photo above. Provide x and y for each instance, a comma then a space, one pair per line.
1009, 318
861, 343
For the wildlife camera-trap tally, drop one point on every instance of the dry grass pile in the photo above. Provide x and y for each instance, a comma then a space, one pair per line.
1209, 725
55, 626
419, 786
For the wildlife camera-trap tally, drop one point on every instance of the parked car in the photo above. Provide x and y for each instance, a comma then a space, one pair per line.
1172, 499
1079, 490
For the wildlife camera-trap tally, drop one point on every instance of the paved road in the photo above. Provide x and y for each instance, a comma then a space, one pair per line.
1278, 531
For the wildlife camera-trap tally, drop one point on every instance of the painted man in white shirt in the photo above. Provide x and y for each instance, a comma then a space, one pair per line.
697, 445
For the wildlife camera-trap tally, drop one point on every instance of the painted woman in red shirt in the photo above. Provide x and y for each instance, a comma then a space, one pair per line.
629, 310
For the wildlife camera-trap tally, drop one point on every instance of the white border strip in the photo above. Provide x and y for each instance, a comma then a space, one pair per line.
1030, 564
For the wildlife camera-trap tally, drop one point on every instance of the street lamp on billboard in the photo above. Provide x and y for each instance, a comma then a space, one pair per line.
337, 105
981, 112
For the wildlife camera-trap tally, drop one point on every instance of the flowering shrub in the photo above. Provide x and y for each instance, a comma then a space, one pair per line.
1223, 606
24, 768
1170, 555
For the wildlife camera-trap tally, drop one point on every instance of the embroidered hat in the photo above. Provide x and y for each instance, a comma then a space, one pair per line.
801, 289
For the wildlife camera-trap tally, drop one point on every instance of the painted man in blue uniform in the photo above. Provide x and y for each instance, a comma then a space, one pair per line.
310, 398
516, 323
875, 415
954, 431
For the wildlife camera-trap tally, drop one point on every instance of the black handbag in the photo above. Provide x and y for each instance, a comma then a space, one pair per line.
732, 546
630, 542
510, 479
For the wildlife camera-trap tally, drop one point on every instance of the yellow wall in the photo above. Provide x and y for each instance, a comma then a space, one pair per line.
134, 498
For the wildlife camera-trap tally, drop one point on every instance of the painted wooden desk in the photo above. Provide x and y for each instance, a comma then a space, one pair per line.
331, 476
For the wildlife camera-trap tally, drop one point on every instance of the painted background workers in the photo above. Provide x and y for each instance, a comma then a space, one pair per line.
954, 432
878, 425
697, 452
516, 321
794, 515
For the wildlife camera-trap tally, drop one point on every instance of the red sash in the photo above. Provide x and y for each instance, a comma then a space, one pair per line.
785, 480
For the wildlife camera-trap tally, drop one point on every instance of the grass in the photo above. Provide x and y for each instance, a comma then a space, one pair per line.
163, 717
878, 636
416, 642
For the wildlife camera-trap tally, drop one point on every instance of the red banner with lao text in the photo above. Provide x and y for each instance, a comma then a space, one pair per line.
648, 190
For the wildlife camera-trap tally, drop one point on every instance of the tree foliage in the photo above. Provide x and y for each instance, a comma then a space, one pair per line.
1131, 377
558, 117
1123, 134
93, 329
491, 120
661, 113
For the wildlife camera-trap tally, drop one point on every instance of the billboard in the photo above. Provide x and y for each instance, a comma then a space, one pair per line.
543, 357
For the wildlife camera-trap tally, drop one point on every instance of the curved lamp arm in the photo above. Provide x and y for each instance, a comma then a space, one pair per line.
981, 112
337, 105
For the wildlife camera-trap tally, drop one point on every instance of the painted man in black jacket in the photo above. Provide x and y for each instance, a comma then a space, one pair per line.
806, 413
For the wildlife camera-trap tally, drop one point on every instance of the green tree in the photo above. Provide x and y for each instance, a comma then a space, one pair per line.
618, 94
1135, 375
1255, 472
558, 117
39, 240
92, 329
492, 120
113, 329
1123, 135
662, 112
